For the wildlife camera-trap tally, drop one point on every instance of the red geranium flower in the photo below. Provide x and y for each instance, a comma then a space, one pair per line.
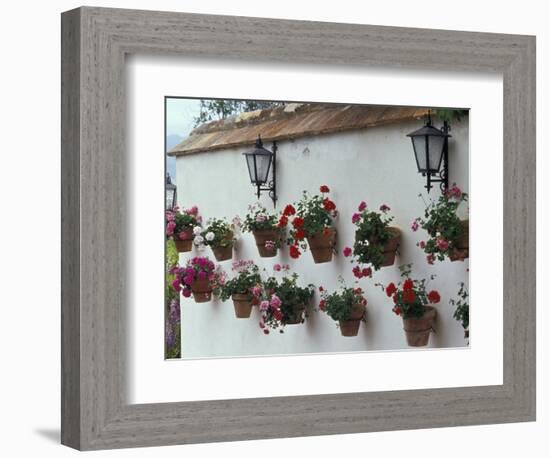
278, 315
347, 251
300, 234
283, 221
397, 310
329, 204
324, 188
322, 305
298, 222
409, 296
390, 289
408, 284
434, 297
367, 272
289, 210
294, 252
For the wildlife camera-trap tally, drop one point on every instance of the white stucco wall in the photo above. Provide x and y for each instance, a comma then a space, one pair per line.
376, 165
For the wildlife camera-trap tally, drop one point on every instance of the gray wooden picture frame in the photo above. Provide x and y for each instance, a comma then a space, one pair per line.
95, 412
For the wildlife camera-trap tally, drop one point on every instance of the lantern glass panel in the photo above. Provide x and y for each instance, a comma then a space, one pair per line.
435, 152
251, 164
170, 197
419, 145
263, 164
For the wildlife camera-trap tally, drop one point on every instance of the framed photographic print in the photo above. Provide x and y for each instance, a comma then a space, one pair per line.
266, 208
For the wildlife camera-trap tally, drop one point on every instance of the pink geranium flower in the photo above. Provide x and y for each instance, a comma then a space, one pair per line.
347, 251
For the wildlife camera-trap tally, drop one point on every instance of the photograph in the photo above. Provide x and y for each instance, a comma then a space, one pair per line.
297, 228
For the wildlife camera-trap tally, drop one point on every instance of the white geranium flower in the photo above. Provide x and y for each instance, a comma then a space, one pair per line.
197, 230
210, 236
198, 240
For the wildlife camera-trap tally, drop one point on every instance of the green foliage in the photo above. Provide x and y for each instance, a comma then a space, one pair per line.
218, 233
371, 236
216, 109
172, 256
174, 351
462, 312
248, 276
449, 114
172, 259
172, 348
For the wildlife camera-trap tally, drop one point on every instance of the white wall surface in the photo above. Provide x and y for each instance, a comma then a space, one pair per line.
30, 303
376, 165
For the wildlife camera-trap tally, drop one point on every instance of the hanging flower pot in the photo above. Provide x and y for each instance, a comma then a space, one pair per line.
310, 224
199, 277
202, 290
322, 245
180, 226
347, 306
461, 249
184, 241
448, 234
242, 304
390, 248
296, 314
462, 310
417, 330
219, 236
376, 242
264, 227
350, 327
283, 302
224, 251
244, 288
267, 241
411, 300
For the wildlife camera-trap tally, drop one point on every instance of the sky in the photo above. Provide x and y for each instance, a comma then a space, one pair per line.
180, 116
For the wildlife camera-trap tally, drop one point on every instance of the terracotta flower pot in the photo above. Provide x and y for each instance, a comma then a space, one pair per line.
418, 330
242, 304
269, 235
202, 290
183, 245
461, 250
350, 327
390, 247
297, 316
223, 253
322, 245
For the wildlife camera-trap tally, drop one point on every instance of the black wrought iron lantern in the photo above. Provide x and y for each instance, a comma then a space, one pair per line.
171, 193
431, 151
260, 161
